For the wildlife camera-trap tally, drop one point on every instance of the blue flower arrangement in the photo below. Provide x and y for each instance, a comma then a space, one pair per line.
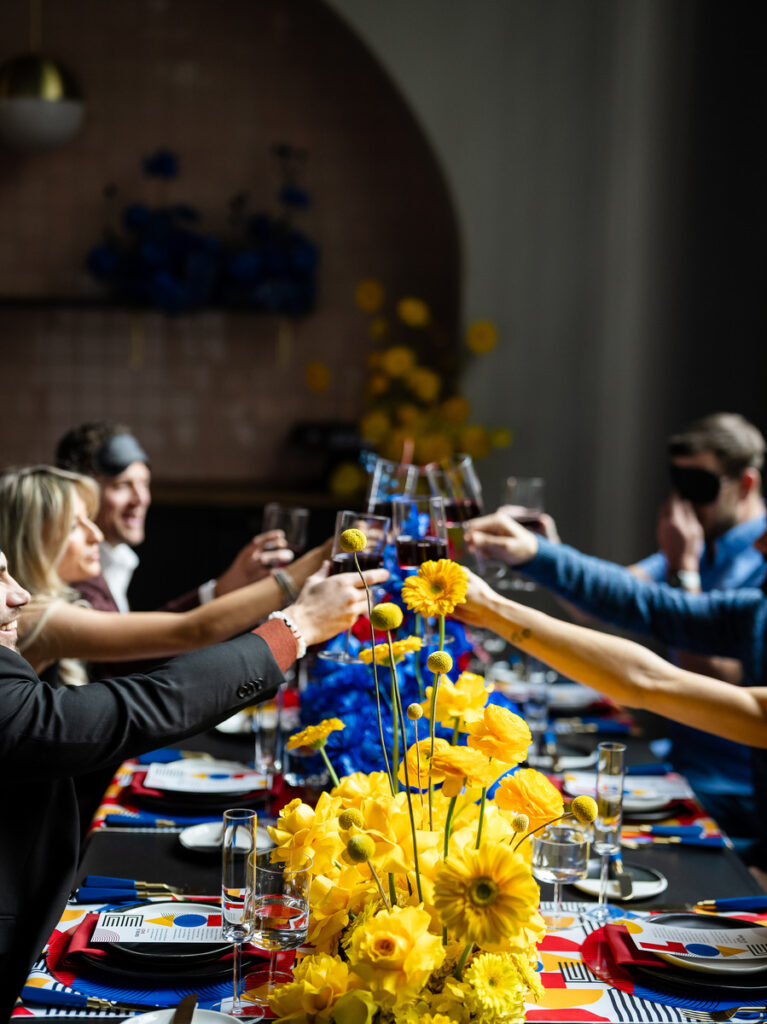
161, 257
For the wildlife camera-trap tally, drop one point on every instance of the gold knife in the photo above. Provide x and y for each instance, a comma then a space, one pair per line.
185, 1010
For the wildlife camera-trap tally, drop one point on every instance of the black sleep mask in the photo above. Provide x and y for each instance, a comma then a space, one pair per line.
699, 486
116, 454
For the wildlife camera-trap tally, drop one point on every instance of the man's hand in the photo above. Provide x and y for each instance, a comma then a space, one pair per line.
539, 522
499, 536
680, 535
256, 560
329, 605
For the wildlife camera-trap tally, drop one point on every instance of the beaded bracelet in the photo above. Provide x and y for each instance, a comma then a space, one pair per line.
300, 642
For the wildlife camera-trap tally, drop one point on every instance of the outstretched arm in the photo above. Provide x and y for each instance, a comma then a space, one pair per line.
623, 670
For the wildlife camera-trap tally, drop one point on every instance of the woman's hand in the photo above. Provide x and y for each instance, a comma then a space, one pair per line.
499, 536
329, 605
479, 599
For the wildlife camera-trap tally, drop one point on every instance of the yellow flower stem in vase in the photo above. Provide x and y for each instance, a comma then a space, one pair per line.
454, 740
449, 824
375, 679
481, 816
395, 714
462, 962
392, 890
544, 825
331, 770
417, 667
397, 702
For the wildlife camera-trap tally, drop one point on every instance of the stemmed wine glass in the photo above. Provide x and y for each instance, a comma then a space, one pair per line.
376, 529
387, 480
523, 500
456, 480
292, 521
419, 528
611, 771
238, 847
280, 914
560, 854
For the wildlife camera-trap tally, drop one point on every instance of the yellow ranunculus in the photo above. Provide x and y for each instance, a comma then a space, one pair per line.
355, 1007
464, 700
421, 756
318, 981
461, 767
413, 312
501, 734
488, 896
437, 589
353, 789
300, 827
398, 360
529, 792
482, 337
395, 953
317, 377
369, 295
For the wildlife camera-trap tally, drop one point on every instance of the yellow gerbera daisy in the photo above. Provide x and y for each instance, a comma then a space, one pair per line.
501, 734
529, 792
487, 896
315, 735
400, 648
437, 589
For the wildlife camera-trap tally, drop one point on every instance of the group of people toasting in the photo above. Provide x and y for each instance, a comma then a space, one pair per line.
67, 535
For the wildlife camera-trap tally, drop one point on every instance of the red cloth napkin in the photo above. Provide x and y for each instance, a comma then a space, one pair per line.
625, 953
138, 790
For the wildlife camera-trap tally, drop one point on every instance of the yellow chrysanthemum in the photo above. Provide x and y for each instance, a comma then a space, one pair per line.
424, 383
482, 337
437, 589
501, 734
399, 647
461, 767
318, 981
413, 312
496, 989
487, 896
395, 953
347, 478
374, 426
398, 360
369, 295
315, 735
462, 701
386, 617
456, 409
475, 441
317, 377
529, 792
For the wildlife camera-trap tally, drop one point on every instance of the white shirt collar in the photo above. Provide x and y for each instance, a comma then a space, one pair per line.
118, 564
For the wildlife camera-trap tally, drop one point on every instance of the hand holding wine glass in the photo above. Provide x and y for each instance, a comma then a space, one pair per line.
292, 522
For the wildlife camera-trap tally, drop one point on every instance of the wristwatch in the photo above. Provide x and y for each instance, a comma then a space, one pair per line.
685, 579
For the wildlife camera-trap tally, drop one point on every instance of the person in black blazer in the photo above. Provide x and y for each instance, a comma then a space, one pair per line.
50, 735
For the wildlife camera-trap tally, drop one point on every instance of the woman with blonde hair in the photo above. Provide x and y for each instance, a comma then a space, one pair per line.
51, 542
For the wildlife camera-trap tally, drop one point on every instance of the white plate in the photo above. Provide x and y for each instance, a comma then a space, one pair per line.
637, 804
165, 1016
207, 837
709, 966
240, 723
642, 889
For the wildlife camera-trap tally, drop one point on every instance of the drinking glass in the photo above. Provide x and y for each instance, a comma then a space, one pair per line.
419, 528
267, 735
292, 521
611, 771
456, 480
376, 529
523, 500
238, 847
387, 480
280, 914
560, 854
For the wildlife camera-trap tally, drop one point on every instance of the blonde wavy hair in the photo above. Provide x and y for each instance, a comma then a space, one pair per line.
37, 509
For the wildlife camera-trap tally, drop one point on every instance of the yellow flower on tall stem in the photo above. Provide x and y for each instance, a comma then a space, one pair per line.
400, 649
501, 734
530, 793
316, 736
460, 702
437, 589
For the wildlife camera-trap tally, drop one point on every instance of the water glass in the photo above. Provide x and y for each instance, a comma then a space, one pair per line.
560, 854
292, 521
267, 735
611, 771
280, 916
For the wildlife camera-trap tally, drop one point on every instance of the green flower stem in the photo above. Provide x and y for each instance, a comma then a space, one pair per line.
432, 715
377, 881
448, 824
454, 739
392, 890
398, 697
334, 778
418, 764
395, 718
462, 962
375, 678
481, 816
544, 825
417, 667
442, 632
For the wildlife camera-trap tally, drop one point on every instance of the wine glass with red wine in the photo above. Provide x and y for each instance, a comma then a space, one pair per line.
524, 503
419, 528
456, 480
387, 480
376, 530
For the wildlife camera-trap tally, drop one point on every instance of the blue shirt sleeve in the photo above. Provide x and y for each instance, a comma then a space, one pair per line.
730, 623
655, 566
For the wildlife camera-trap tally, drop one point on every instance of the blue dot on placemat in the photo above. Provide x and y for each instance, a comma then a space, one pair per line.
218, 775
190, 920
699, 949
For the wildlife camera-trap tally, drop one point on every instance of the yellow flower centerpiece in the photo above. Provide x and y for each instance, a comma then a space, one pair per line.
423, 907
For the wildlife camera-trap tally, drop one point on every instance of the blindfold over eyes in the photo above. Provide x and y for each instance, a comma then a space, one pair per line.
116, 454
700, 486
